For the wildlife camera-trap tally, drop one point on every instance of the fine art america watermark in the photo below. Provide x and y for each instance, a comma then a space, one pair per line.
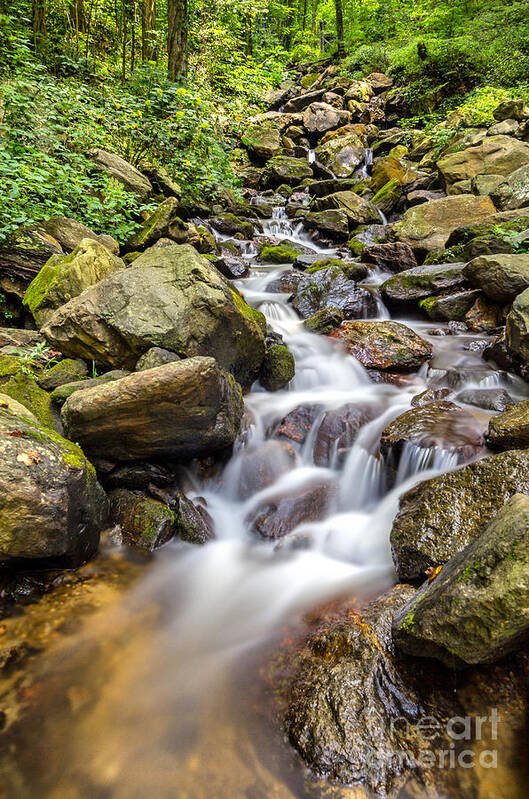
447, 744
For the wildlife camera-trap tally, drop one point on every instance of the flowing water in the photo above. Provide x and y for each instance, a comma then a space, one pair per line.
167, 681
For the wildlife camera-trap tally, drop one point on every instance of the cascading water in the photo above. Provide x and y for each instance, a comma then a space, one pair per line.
215, 605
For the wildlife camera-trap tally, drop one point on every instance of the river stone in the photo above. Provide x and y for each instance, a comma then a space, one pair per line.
320, 117
278, 369
510, 429
65, 277
393, 256
495, 155
450, 307
282, 169
434, 424
388, 346
297, 424
338, 430
65, 371
184, 409
51, 506
263, 139
277, 516
427, 227
157, 225
286, 283
490, 399
61, 394
69, 233
154, 357
388, 196
321, 188
324, 321
7, 403
119, 169
297, 104
230, 224
441, 516
514, 191
232, 266
483, 317
422, 281
330, 287
171, 297
342, 155
501, 277
333, 223
511, 109
477, 608
517, 327
145, 523
389, 168
23, 388
358, 210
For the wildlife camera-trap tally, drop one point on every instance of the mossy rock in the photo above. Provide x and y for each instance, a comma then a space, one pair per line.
324, 321
278, 254
155, 226
61, 394
66, 371
146, 524
352, 271
308, 79
24, 388
278, 369
388, 196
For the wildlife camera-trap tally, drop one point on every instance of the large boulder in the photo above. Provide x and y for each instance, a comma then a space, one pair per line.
156, 226
342, 155
320, 117
328, 288
263, 139
477, 608
388, 346
451, 307
427, 227
65, 277
358, 210
495, 155
390, 168
510, 429
184, 409
119, 169
70, 233
171, 297
501, 277
422, 281
392, 256
514, 191
282, 169
517, 327
52, 508
441, 516
333, 223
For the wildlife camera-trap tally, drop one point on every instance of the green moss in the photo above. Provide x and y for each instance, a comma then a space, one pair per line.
24, 389
10, 365
44, 281
389, 193
279, 254
323, 264
355, 246
248, 312
278, 368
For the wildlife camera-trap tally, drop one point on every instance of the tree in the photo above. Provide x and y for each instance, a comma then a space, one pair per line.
177, 27
339, 28
148, 29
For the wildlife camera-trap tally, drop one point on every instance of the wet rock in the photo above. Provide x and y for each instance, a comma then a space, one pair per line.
193, 522
392, 257
483, 317
440, 424
450, 306
495, 155
510, 429
69, 233
427, 227
422, 281
441, 516
333, 223
277, 516
121, 170
286, 252
278, 368
297, 424
351, 269
476, 609
263, 139
330, 287
154, 357
490, 399
389, 346
517, 327
283, 169
324, 321
358, 210
342, 155
61, 394
146, 524
286, 283
164, 219
260, 467
52, 508
338, 430
65, 277
501, 277
232, 267
388, 197
153, 303
139, 476
184, 409
297, 104
320, 117
231, 224
430, 395
65, 371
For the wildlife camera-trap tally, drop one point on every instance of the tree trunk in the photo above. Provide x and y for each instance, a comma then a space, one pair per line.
176, 39
339, 28
78, 16
148, 29
39, 25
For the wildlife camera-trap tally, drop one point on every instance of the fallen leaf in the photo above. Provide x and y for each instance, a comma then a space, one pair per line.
29, 458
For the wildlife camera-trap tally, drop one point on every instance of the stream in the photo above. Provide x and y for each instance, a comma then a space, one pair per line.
162, 696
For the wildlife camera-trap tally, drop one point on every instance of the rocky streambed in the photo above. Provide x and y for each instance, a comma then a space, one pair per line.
264, 478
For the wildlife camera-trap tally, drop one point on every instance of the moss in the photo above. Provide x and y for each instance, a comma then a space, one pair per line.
428, 304
10, 365
70, 453
323, 264
278, 369
66, 371
279, 254
43, 282
248, 312
355, 246
388, 194
24, 389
